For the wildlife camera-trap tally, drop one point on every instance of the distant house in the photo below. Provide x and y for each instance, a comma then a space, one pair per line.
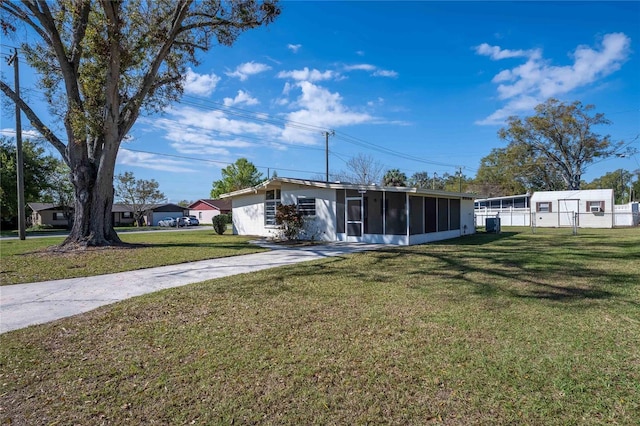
122, 214
49, 214
160, 211
205, 209
359, 213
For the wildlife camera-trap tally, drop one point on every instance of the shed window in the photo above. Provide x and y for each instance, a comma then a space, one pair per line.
595, 206
307, 206
127, 215
543, 207
58, 216
272, 200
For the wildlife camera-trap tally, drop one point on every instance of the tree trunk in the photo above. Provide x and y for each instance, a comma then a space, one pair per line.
93, 218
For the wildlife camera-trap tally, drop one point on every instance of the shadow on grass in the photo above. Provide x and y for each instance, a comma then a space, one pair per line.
545, 269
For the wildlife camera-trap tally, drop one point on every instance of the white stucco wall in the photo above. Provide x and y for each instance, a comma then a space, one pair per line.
322, 226
248, 215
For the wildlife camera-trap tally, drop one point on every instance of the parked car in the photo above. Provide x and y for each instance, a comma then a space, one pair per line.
182, 221
167, 221
193, 221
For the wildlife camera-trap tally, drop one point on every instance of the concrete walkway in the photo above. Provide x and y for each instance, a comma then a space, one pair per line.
22, 305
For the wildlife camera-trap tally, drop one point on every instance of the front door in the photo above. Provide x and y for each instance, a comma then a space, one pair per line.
354, 215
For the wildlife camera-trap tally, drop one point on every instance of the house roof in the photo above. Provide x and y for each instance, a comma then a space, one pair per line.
37, 207
505, 197
278, 181
584, 193
217, 204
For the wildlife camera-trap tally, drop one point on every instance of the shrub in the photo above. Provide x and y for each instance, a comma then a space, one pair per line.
290, 220
219, 223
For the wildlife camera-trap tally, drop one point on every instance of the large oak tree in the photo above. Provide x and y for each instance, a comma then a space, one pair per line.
561, 137
103, 63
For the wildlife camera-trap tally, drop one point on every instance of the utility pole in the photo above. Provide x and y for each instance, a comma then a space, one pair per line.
19, 155
326, 150
459, 179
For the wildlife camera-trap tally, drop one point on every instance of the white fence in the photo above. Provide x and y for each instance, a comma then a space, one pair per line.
508, 217
627, 215
623, 216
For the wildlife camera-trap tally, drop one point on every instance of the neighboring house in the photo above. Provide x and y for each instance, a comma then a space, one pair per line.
48, 214
122, 215
350, 212
513, 210
160, 211
205, 210
589, 208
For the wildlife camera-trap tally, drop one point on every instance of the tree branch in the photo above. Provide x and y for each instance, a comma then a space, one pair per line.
35, 120
19, 13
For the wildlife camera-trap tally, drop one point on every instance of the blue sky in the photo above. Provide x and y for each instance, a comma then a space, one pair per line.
431, 82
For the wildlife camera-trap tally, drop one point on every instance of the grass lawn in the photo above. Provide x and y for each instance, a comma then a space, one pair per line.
30, 261
516, 328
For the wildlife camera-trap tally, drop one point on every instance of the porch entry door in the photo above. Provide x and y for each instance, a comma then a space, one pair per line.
354, 218
566, 212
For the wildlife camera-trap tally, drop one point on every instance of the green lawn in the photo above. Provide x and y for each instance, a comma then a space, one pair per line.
516, 328
31, 260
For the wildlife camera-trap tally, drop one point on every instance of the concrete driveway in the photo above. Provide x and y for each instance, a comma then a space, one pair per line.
22, 305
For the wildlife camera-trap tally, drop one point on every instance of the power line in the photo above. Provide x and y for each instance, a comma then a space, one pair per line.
183, 157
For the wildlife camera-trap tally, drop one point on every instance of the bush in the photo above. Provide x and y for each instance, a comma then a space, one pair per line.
219, 223
290, 220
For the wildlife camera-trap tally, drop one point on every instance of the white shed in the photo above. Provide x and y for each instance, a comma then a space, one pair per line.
589, 208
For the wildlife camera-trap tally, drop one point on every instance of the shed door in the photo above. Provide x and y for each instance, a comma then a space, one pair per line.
566, 212
354, 215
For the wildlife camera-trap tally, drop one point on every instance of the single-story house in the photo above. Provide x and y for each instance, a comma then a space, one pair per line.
159, 211
205, 209
588, 208
51, 214
335, 211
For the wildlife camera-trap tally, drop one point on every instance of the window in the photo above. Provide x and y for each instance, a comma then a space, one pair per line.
200, 215
307, 206
127, 215
595, 206
543, 207
58, 216
272, 200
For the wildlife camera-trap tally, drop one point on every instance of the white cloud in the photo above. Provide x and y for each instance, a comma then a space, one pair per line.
26, 134
496, 53
374, 70
531, 83
306, 74
360, 67
294, 47
200, 84
385, 73
214, 133
153, 162
241, 98
360, 52
244, 71
321, 108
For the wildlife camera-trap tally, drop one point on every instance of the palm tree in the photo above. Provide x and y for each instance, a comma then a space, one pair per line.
394, 177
